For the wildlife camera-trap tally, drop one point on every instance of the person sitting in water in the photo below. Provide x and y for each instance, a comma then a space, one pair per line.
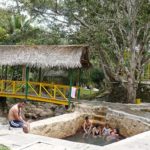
96, 131
114, 136
87, 126
106, 130
15, 117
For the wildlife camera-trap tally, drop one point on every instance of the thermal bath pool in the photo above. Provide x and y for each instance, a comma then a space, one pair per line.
64, 126
81, 138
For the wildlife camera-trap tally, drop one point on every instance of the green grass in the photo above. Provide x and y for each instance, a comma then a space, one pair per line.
87, 93
3, 147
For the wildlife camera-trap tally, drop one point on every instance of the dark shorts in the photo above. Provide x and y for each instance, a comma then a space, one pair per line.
16, 124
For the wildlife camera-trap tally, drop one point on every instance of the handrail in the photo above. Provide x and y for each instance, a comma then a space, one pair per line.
38, 91
30, 86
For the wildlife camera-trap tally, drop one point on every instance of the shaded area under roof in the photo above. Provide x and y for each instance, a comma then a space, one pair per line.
55, 73
45, 56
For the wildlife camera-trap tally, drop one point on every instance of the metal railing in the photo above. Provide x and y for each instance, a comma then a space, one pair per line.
37, 91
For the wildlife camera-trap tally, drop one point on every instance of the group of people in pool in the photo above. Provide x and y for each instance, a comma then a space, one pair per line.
98, 131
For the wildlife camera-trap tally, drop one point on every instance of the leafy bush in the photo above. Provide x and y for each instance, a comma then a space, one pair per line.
3, 147
97, 76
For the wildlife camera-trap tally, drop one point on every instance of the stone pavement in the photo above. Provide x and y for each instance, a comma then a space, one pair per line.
17, 140
21, 141
128, 108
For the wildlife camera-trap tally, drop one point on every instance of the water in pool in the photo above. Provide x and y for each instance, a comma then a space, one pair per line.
79, 137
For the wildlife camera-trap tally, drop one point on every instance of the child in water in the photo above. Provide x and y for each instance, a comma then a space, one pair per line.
106, 130
114, 135
96, 131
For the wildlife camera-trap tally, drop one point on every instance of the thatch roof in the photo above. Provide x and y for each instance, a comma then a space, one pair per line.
64, 56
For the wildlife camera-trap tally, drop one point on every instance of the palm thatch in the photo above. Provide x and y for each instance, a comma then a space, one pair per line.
63, 56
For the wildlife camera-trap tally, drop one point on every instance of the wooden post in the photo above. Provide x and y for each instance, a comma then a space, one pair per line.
40, 77
6, 69
23, 72
5, 76
148, 72
2, 73
71, 82
27, 80
79, 83
13, 72
40, 74
4, 99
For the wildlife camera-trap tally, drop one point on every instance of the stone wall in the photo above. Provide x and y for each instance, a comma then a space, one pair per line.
58, 127
90, 110
128, 124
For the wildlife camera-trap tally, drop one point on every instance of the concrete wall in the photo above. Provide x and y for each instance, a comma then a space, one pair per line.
68, 124
58, 127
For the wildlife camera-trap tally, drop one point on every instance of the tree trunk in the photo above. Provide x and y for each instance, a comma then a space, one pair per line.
131, 90
118, 93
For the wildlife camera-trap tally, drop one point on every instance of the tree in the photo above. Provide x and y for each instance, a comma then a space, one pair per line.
113, 29
15, 27
116, 28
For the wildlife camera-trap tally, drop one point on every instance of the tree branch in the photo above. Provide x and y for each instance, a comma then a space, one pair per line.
81, 21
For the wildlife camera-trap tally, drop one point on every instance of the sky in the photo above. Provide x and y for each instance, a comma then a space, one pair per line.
6, 3
10, 4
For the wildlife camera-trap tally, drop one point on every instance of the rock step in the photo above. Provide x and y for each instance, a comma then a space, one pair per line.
98, 122
102, 113
99, 116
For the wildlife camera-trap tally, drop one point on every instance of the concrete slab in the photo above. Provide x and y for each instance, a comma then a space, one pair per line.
43, 146
35, 142
137, 142
17, 140
29, 141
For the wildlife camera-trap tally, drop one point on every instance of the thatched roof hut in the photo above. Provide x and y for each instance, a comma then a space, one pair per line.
45, 56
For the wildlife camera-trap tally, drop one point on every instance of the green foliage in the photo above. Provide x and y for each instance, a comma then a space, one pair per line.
92, 76
3, 147
17, 29
3, 34
97, 76
87, 93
